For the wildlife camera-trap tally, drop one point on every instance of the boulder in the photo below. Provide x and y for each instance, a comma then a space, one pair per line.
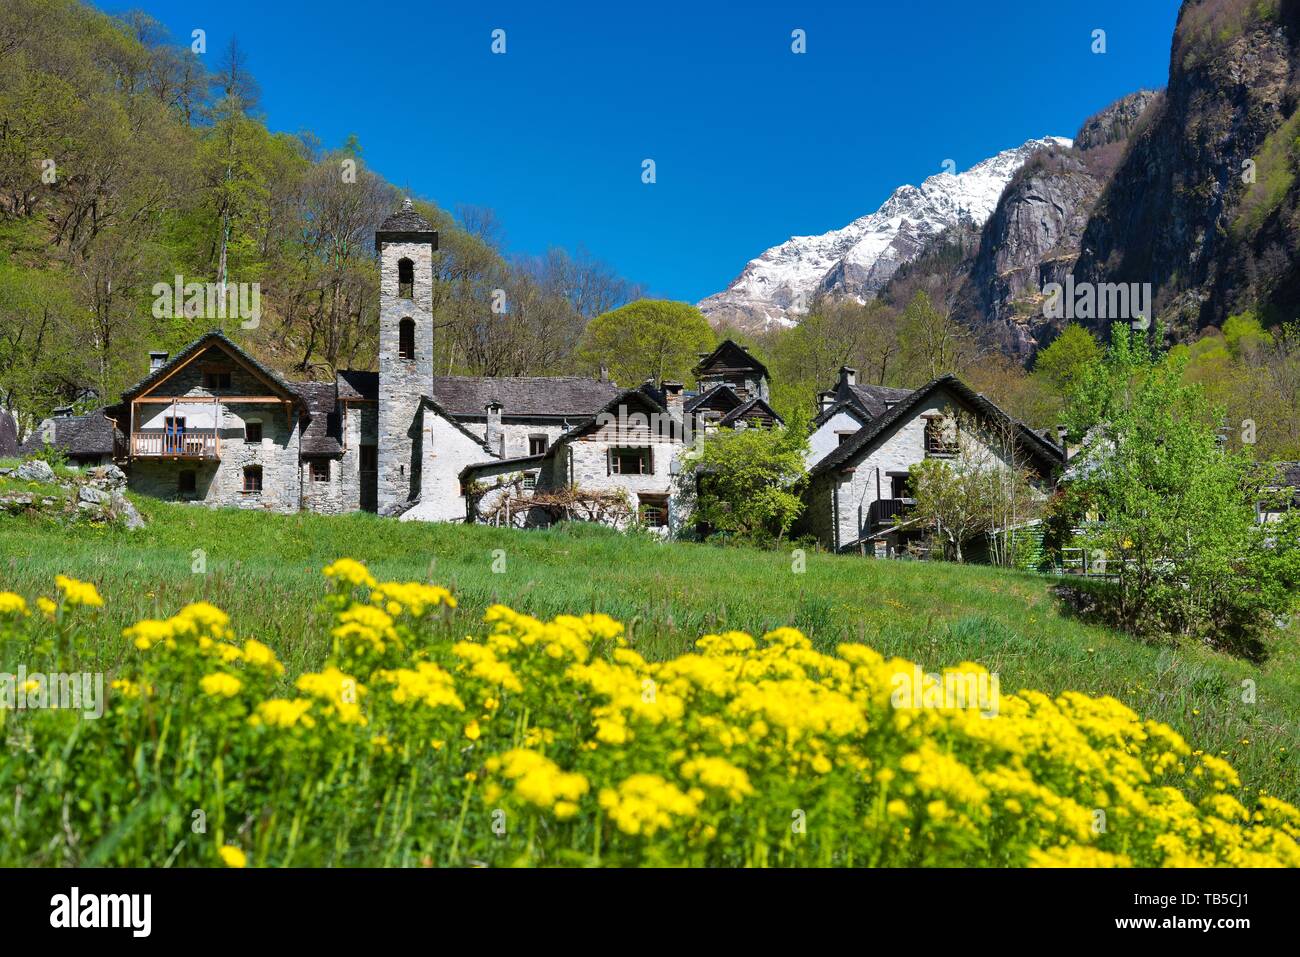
107, 476
35, 470
90, 495
127, 512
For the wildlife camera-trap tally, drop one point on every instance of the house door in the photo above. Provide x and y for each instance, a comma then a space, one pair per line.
174, 440
369, 478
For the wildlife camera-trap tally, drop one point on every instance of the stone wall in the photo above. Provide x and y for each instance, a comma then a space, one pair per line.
446, 451
826, 439
402, 382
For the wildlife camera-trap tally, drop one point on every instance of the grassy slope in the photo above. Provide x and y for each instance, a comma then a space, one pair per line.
265, 571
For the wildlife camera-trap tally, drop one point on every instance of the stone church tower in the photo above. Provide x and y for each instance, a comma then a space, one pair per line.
405, 242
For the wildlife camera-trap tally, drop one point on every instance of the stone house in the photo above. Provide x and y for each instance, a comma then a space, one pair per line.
846, 409
87, 440
858, 490
621, 465
214, 425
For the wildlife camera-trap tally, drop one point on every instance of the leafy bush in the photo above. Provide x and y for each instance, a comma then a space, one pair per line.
1174, 508
746, 482
555, 742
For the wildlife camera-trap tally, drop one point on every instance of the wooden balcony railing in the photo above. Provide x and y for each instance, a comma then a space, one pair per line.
170, 445
886, 511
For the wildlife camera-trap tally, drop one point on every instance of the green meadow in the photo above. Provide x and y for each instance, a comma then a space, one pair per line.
265, 571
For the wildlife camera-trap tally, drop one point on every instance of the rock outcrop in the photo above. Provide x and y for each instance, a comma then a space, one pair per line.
95, 495
1204, 204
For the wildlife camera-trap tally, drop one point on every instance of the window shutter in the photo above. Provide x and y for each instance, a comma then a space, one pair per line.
650, 460
609, 461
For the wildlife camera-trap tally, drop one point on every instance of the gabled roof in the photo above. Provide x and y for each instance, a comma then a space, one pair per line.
867, 437
753, 405
721, 398
834, 409
213, 338
610, 407
728, 357
876, 400
88, 435
557, 397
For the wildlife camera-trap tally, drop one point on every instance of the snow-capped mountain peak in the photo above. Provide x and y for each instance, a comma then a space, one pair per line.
859, 259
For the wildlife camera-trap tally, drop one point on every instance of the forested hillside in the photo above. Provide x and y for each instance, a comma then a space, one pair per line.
127, 159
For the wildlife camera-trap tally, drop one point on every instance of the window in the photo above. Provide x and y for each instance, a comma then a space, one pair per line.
537, 444
844, 437
405, 279
629, 462
319, 469
406, 339
186, 483
654, 511
940, 436
216, 379
252, 478
530, 480
253, 432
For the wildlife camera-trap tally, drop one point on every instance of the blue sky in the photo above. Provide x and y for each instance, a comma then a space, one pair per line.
752, 143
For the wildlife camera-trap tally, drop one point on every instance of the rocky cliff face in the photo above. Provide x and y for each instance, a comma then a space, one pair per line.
1181, 212
1032, 239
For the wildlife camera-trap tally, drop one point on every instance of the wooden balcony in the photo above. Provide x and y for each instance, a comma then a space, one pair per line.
168, 445
888, 511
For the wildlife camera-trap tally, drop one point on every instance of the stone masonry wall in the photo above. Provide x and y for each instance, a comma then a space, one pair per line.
402, 382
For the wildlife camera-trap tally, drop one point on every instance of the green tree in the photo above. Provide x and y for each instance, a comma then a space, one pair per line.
1176, 528
1062, 363
648, 339
747, 481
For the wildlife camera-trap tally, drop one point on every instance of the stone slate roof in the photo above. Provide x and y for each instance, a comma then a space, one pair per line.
406, 220
8, 435
753, 405
862, 440
78, 435
873, 398
406, 226
729, 357
214, 337
721, 398
352, 384
558, 397
593, 422
322, 433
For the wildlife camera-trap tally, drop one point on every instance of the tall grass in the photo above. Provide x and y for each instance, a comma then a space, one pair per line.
265, 571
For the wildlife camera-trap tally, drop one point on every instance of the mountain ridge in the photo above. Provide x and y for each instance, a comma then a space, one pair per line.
859, 259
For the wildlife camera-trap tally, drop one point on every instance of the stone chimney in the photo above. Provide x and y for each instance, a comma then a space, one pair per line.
673, 399
604, 372
493, 436
1061, 437
848, 376
157, 360
63, 412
